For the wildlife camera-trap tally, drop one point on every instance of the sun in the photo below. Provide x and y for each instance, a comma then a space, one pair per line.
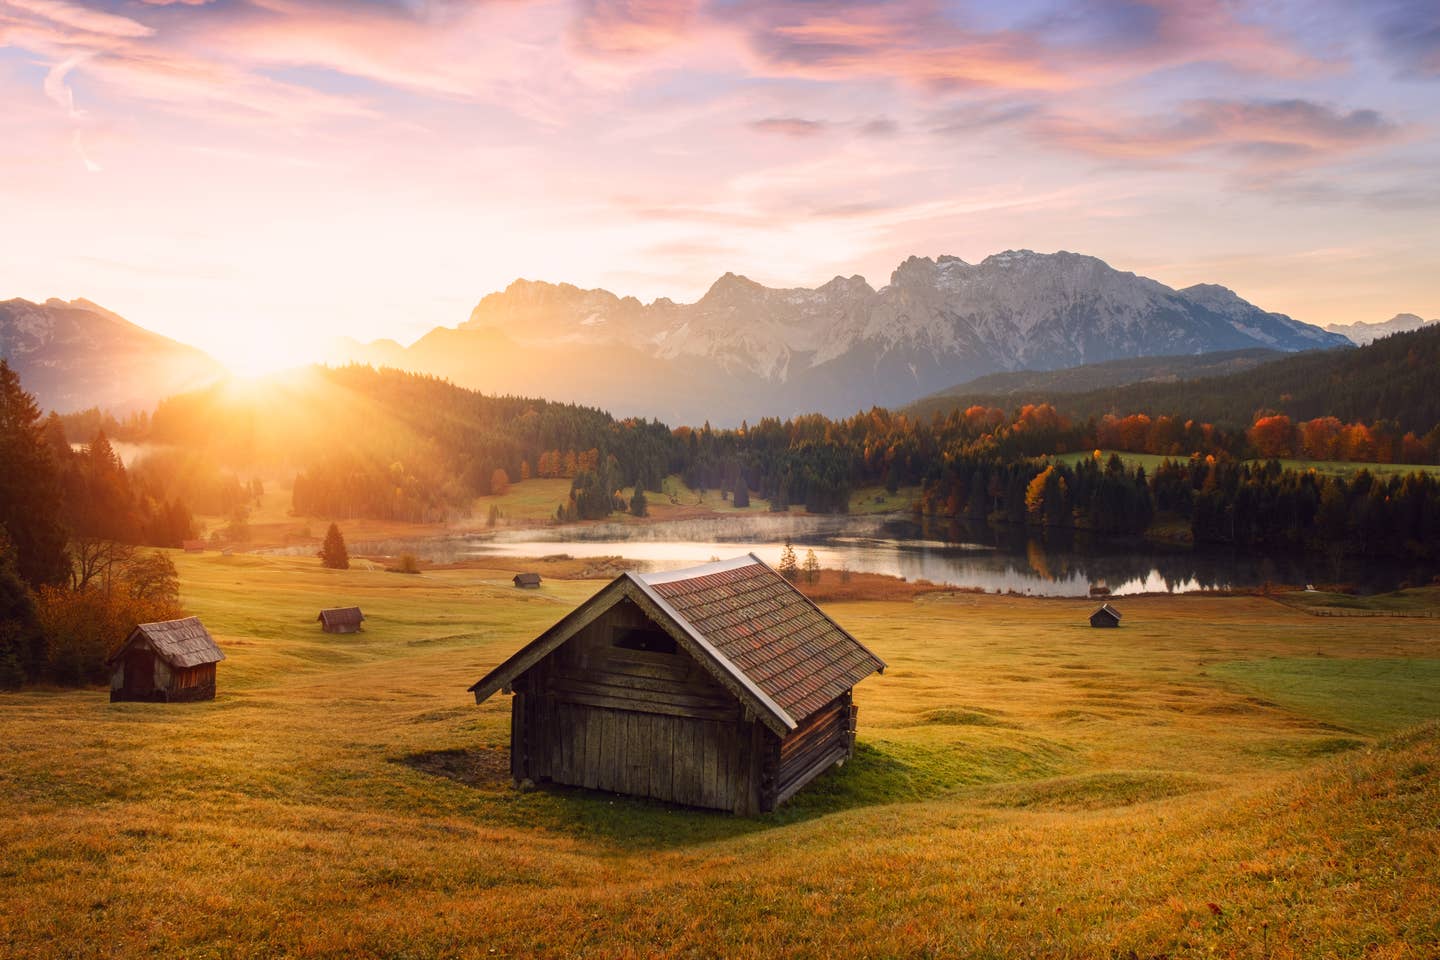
263, 356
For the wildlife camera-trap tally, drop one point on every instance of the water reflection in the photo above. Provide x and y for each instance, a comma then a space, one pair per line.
995, 559
1005, 559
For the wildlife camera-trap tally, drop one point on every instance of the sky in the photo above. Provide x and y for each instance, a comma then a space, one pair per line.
257, 177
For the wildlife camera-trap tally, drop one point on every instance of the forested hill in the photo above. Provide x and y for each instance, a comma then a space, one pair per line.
1392, 379
1112, 373
383, 443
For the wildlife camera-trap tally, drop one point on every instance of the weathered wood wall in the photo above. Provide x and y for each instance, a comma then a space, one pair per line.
826, 736
167, 683
641, 722
656, 724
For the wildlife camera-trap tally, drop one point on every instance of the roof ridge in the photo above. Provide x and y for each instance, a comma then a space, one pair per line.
703, 570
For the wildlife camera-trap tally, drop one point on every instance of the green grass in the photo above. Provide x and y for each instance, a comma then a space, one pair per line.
1023, 786
526, 501
1411, 601
1373, 696
879, 500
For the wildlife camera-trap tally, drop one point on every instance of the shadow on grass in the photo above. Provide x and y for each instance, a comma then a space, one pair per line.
880, 772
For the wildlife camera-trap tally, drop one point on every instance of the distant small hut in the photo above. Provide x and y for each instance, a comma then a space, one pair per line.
529, 581
1106, 616
193, 546
341, 620
720, 686
165, 662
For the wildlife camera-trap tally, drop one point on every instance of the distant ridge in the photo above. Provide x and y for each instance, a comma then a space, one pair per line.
75, 355
1390, 379
1362, 333
745, 350
1112, 373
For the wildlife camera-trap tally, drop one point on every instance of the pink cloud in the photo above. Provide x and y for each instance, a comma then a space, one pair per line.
77, 17
1257, 133
633, 26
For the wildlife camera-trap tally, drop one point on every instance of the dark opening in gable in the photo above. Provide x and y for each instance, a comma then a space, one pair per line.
648, 639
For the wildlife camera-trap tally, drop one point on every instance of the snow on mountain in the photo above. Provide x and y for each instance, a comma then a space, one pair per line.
75, 355
1361, 333
845, 345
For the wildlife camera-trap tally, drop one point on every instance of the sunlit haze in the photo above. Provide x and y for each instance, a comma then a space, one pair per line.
257, 177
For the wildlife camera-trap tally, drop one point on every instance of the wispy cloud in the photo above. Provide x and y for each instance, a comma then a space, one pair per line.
1255, 133
789, 126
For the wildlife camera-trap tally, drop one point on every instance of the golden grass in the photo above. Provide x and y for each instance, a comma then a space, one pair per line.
1025, 786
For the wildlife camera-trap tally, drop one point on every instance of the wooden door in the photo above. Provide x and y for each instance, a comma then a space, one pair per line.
139, 672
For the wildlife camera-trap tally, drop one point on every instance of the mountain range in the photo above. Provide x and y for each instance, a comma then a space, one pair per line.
75, 355
1362, 333
747, 350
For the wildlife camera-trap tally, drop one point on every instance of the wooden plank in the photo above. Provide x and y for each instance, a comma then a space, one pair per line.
682, 783
825, 762
703, 691
518, 769
565, 714
639, 750
628, 706
590, 771
611, 686
662, 776
708, 759
616, 745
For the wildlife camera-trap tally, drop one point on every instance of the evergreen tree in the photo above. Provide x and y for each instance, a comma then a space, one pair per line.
29, 487
638, 505
333, 553
22, 643
742, 493
788, 568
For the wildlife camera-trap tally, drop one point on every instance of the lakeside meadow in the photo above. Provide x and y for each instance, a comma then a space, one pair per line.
1222, 776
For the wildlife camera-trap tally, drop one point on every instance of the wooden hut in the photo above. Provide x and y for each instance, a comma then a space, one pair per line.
719, 686
169, 661
1106, 616
529, 581
193, 546
341, 620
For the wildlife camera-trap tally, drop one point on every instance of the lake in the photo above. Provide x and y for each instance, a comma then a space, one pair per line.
1003, 559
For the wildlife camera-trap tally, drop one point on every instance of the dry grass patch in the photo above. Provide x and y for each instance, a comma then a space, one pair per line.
344, 797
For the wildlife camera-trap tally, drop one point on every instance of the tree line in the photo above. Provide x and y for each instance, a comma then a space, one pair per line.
72, 579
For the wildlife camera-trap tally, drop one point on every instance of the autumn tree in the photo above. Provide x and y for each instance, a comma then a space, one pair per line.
812, 567
333, 553
499, 482
788, 568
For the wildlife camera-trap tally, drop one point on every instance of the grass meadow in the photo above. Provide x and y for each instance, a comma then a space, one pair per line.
1223, 776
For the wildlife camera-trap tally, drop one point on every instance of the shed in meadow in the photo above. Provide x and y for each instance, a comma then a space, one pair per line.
193, 546
1105, 616
717, 686
341, 620
527, 580
173, 660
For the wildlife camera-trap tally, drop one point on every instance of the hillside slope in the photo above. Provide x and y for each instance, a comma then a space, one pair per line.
1391, 379
75, 355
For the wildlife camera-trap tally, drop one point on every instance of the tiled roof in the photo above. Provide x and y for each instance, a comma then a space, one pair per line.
180, 643
768, 631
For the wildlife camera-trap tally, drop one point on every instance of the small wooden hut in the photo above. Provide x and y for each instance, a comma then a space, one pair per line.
719, 686
529, 581
193, 546
165, 662
341, 620
1106, 616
